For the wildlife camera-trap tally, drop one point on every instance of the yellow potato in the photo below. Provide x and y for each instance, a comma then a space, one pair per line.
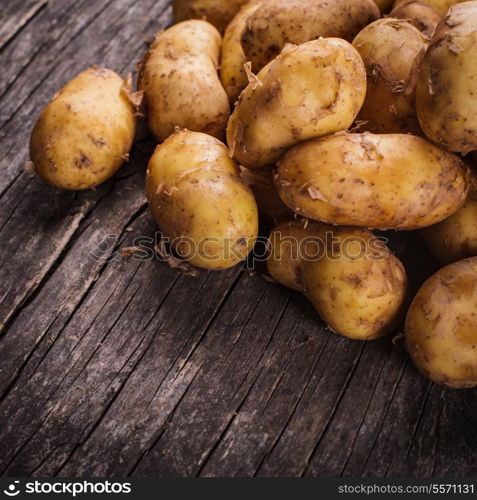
86, 132
232, 72
199, 201
391, 50
441, 326
447, 86
270, 206
308, 91
276, 23
441, 6
390, 181
181, 84
359, 287
456, 237
424, 17
217, 12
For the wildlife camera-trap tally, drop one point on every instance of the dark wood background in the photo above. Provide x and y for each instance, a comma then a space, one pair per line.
116, 366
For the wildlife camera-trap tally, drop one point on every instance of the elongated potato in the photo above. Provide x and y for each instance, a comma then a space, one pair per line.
86, 132
424, 17
440, 6
217, 12
309, 90
232, 72
359, 287
276, 23
456, 237
441, 326
199, 202
447, 86
270, 206
181, 84
390, 181
391, 50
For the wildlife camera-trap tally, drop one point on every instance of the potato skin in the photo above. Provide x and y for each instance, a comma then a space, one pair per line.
270, 206
456, 237
308, 91
424, 17
441, 326
390, 181
391, 50
447, 86
85, 133
440, 6
232, 73
276, 23
361, 291
217, 12
196, 195
180, 81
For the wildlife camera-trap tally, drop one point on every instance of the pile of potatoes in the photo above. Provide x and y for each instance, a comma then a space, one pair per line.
328, 119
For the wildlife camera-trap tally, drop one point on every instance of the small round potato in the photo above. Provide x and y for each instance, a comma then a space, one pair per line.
446, 95
86, 132
424, 17
232, 72
199, 201
391, 50
180, 81
359, 287
277, 23
308, 91
389, 181
441, 326
217, 12
270, 206
456, 237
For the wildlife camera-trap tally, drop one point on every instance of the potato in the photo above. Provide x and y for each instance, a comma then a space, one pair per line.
440, 6
86, 132
270, 206
232, 73
359, 287
199, 202
390, 181
309, 90
447, 86
424, 17
290, 242
441, 326
276, 23
180, 81
456, 237
391, 50
217, 12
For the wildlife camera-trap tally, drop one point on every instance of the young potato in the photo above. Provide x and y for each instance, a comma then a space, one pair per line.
358, 287
447, 86
308, 91
290, 243
180, 81
199, 201
440, 6
441, 326
217, 12
276, 23
390, 181
232, 72
456, 237
424, 17
270, 206
86, 132
391, 50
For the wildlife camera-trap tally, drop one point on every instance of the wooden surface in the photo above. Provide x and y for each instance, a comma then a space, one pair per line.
116, 366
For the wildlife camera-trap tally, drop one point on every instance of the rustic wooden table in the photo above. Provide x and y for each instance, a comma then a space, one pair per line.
115, 366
